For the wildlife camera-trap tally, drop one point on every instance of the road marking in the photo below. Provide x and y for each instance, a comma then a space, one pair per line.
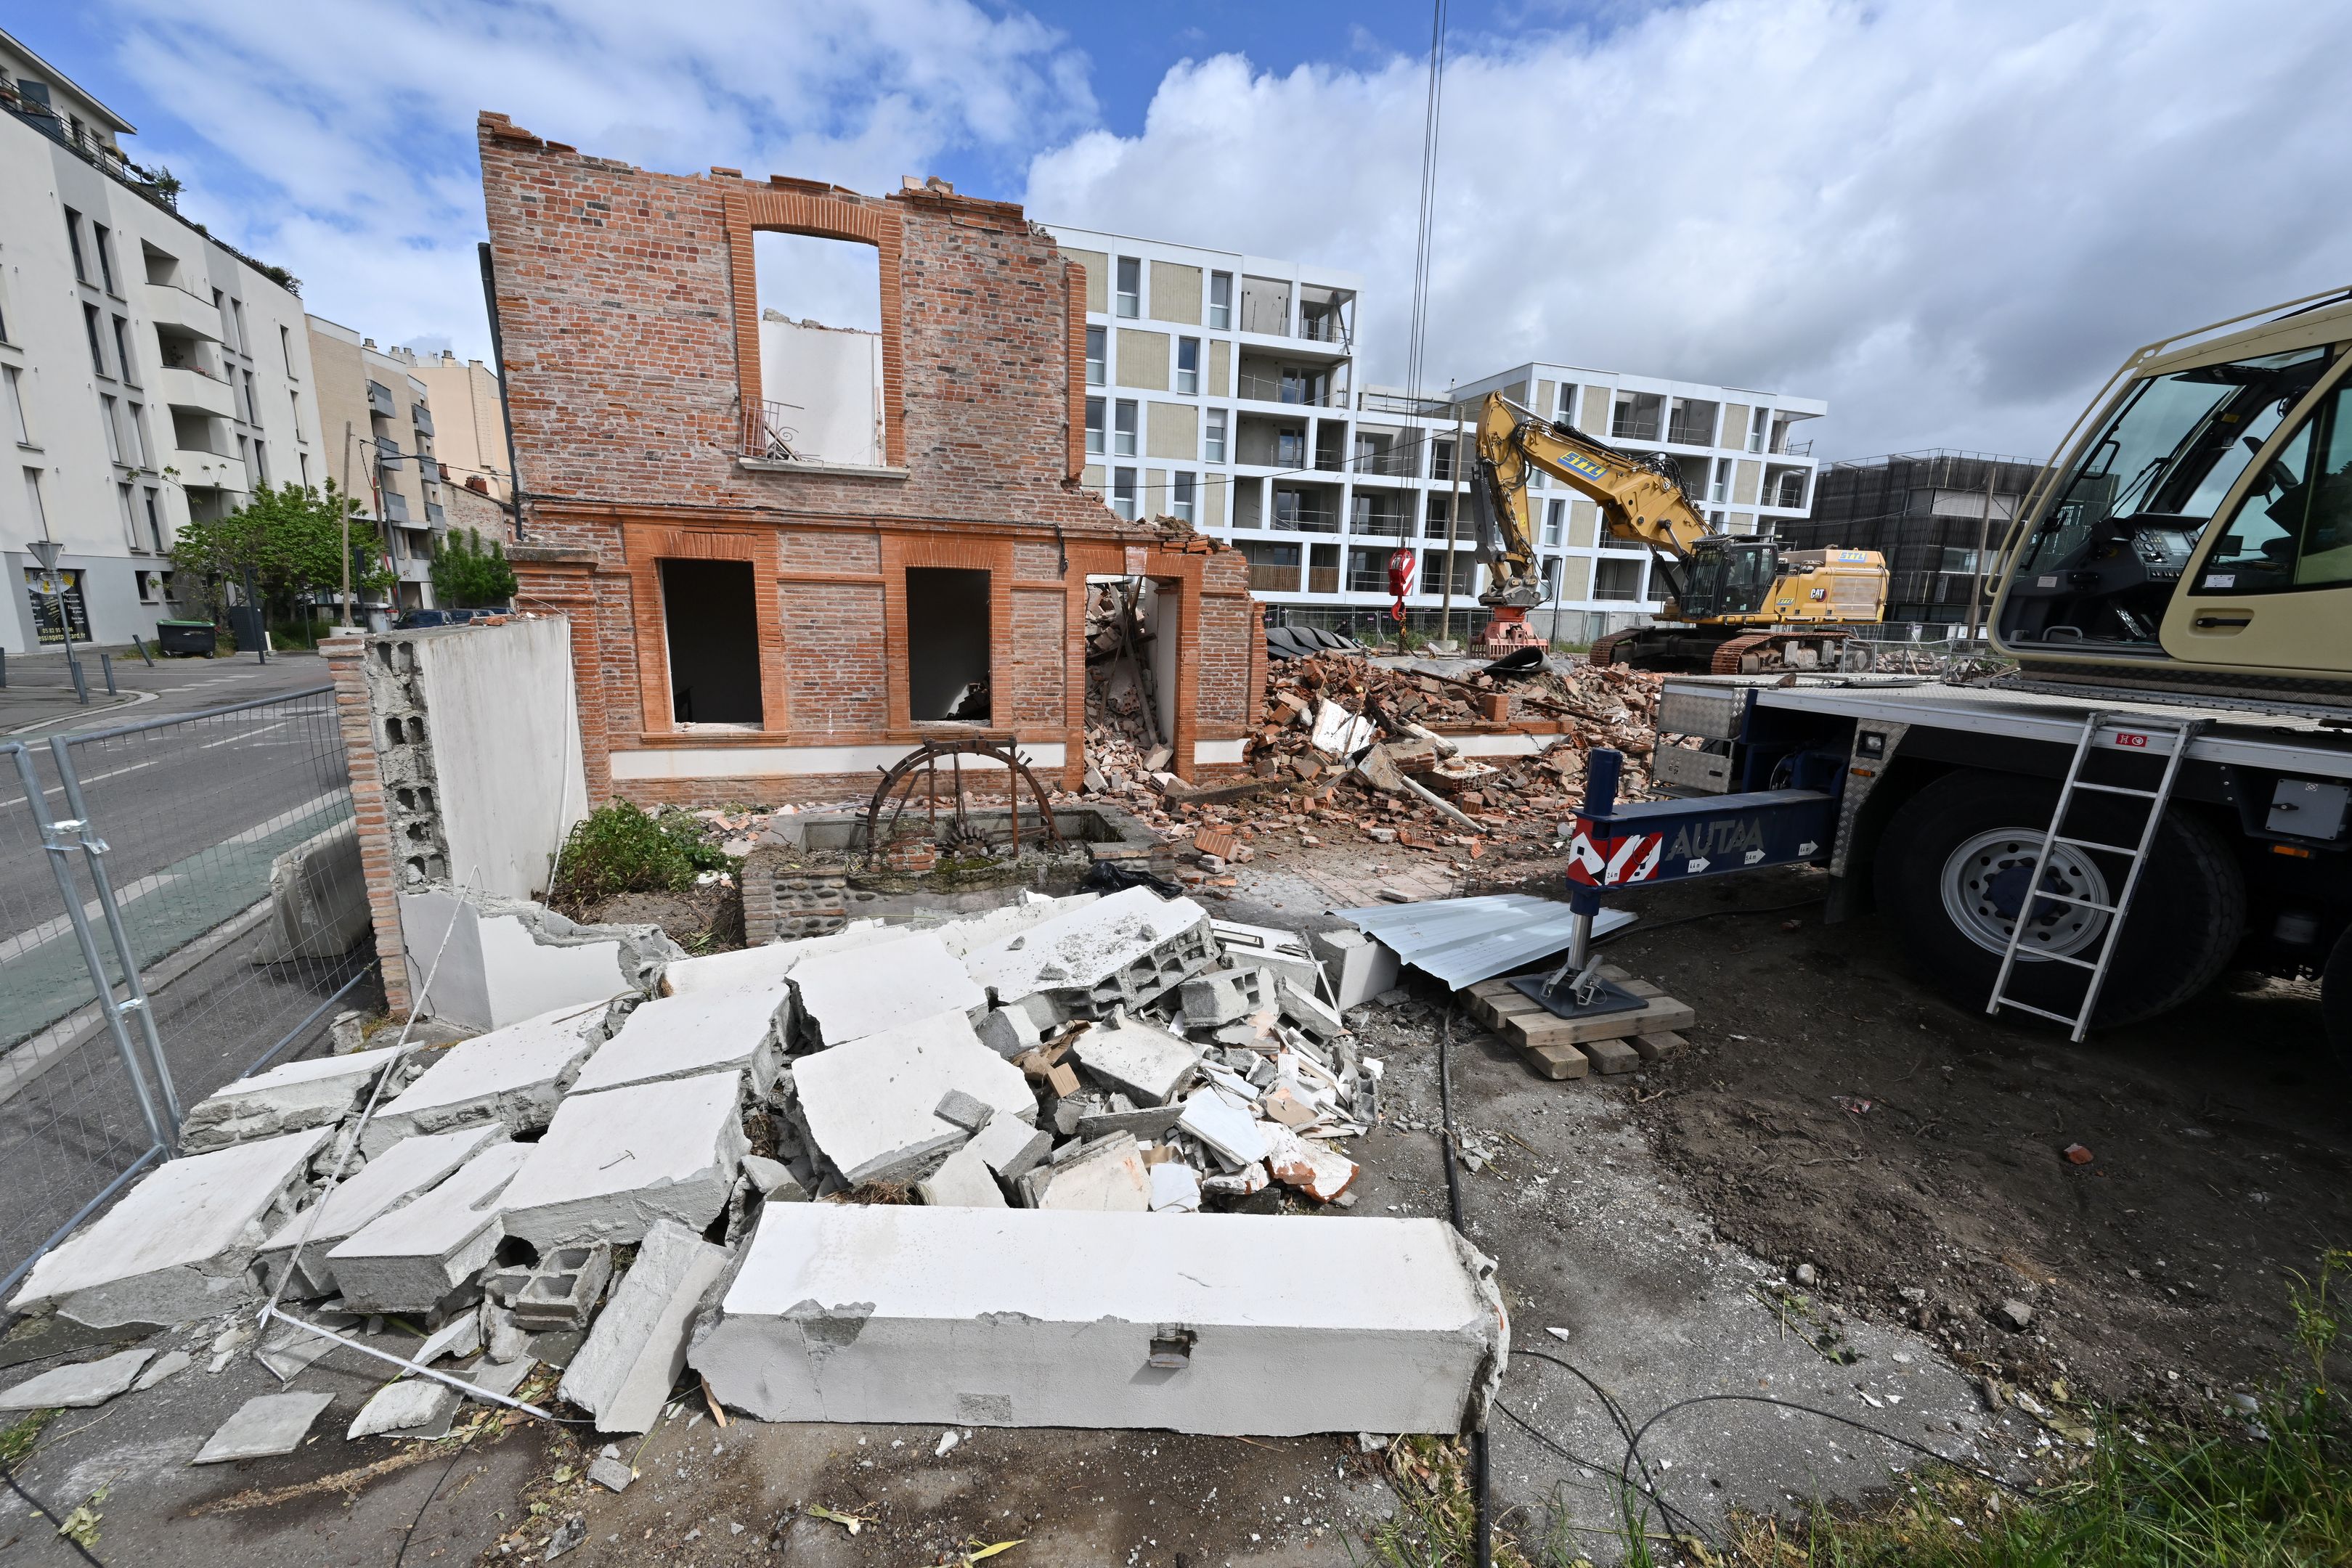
56, 925
93, 779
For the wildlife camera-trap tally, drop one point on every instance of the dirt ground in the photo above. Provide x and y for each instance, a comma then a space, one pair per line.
699, 919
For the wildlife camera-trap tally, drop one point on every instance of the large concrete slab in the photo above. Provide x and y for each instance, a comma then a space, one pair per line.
1150, 1064
872, 1107
636, 1348
992, 926
407, 1260
755, 967
288, 1098
706, 1031
80, 1386
264, 1427
613, 1163
850, 993
976, 1317
514, 1075
180, 1245
383, 1184
1127, 949
509, 959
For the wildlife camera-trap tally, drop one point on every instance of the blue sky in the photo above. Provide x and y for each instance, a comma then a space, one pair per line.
1950, 218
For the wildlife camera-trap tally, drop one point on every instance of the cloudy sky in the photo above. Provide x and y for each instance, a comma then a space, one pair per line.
1950, 218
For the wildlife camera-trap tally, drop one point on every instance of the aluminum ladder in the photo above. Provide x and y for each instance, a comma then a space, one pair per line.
2180, 731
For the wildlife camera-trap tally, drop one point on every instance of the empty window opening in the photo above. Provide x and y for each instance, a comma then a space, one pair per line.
712, 617
947, 644
820, 351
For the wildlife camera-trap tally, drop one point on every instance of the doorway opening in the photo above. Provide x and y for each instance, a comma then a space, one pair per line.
1132, 673
711, 614
947, 644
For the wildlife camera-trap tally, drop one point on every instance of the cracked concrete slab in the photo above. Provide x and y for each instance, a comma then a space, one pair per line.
80, 1386
1127, 949
408, 1259
614, 1162
848, 993
391, 1179
180, 1244
633, 1353
706, 1031
288, 1098
871, 1107
515, 1075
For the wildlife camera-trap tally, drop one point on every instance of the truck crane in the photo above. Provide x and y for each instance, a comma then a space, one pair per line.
1734, 604
2158, 791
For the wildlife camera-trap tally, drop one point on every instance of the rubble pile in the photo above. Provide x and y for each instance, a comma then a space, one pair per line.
1124, 746
577, 1189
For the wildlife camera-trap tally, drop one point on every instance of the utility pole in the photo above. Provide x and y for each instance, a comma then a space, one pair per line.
1453, 511
1984, 542
347, 525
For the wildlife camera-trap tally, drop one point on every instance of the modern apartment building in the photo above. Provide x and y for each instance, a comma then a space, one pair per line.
1939, 518
149, 374
1222, 389
470, 424
377, 419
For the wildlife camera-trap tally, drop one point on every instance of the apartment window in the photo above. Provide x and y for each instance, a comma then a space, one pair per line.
1095, 425
97, 349
138, 441
1212, 440
1122, 493
105, 256
1566, 411
1290, 448
1122, 433
1555, 520
1129, 302
947, 644
236, 310
1097, 356
122, 351
1617, 579
154, 499
1221, 302
110, 412
16, 411
1433, 522
1187, 365
40, 514
261, 461
1758, 420
286, 348
710, 611
73, 242
294, 415
154, 587
243, 456
130, 528
1182, 502
1441, 462
304, 459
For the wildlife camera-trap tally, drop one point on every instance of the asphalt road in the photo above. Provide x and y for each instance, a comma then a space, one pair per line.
192, 812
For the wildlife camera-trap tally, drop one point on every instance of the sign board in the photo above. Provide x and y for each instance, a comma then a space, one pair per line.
47, 590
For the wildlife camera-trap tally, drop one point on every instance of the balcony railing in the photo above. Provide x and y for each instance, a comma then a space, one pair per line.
1323, 579
395, 507
379, 397
437, 513
1331, 328
1679, 433
1273, 579
1623, 429
1378, 525
1275, 389
1396, 463
1397, 403
1307, 520
422, 417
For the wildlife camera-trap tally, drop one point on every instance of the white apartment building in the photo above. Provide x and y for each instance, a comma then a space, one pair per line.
149, 374
1222, 389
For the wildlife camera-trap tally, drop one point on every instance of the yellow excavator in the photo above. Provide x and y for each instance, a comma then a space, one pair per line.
1734, 604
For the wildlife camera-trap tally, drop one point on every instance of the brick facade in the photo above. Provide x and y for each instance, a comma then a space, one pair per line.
629, 318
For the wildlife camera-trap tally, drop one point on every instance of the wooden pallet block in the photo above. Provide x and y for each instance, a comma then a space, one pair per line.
1560, 1049
1658, 1047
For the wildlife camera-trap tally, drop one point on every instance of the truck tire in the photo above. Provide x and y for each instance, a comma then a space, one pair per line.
1951, 876
2335, 1001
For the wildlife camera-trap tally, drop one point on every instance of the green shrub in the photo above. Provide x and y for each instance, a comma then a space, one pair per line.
619, 848
467, 575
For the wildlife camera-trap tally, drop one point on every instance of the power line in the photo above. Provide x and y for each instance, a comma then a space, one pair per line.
1430, 116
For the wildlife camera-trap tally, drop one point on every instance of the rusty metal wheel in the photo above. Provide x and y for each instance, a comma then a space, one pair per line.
955, 829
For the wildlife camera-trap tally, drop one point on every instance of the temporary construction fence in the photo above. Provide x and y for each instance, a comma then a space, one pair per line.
180, 904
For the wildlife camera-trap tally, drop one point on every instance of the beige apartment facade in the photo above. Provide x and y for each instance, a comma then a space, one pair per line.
379, 433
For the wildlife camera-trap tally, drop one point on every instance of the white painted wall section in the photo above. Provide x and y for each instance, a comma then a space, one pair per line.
505, 728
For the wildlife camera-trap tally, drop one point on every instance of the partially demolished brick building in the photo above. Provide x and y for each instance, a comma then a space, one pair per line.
748, 624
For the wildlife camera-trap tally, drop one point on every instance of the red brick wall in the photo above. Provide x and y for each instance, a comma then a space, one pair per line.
629, 319
379, 857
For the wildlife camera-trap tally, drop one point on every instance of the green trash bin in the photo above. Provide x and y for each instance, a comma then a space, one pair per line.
186, 638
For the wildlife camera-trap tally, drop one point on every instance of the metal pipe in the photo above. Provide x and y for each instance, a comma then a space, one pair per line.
106, 667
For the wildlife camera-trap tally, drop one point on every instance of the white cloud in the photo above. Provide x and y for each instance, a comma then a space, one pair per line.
1950, 219
338, 141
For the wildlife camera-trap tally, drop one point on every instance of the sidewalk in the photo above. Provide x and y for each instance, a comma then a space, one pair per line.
40, 700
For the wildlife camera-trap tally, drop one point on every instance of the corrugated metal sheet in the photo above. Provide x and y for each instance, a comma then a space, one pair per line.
1463, 941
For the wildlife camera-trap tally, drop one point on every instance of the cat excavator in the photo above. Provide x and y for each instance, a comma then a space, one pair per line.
1734, 604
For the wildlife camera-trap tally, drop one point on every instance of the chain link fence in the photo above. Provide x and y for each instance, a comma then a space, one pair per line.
181, 905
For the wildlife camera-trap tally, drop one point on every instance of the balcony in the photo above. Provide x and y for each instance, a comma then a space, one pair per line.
395, 508
1680, 432
387, 452
416, 569
379, 400
174, 309
1290, 512
1305, 392
1266, 579
202, 470
436, 515
1633, 427
197, 391
422, 417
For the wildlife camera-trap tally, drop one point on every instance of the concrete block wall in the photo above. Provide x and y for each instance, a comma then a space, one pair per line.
629, 317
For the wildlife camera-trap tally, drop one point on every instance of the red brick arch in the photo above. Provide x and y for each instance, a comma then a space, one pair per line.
822, 212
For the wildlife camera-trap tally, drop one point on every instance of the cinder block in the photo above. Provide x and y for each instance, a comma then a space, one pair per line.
1128, 949
624, 1370
974, 1317
1226, 995
1357, 966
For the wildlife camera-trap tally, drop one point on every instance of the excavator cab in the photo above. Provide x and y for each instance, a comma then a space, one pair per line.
1728, 576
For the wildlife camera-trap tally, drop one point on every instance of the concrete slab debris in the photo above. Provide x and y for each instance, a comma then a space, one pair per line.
515, 1075
870, 1106
292, 1351
264, 1427
756, 968
963, 1181
1226, 995
391, 1179
288, 1098
1176, 1186
1357, 966
1340, 733
169, 1365
461, 1337
1128, 949
317, 899
1231, 1133
613, 1163
869, 1312
1268, 947
961, 1110
408, 1259
612, 1474
502, 1377
411, 1407
80, 1386
1009, 1147
1020, 1025
773, 1181
1309, 1011
180, 1244
679, 1037
846, 994
1149, 1063
633, 1356
1109, 1176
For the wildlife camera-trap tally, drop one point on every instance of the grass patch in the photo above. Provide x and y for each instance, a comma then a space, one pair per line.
619, 848
17, 1441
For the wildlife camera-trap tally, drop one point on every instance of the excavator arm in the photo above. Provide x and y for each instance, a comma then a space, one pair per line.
1640, 497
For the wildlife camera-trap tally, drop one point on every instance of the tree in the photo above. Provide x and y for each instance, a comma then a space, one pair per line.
465, 575
290, 538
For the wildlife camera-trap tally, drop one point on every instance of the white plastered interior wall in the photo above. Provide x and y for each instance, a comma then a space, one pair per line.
503, 717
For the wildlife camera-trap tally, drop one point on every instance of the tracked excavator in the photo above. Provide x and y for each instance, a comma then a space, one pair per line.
1734, 604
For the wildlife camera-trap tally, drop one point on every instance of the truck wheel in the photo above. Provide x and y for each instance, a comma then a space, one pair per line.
1952, 873
2336, 1000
